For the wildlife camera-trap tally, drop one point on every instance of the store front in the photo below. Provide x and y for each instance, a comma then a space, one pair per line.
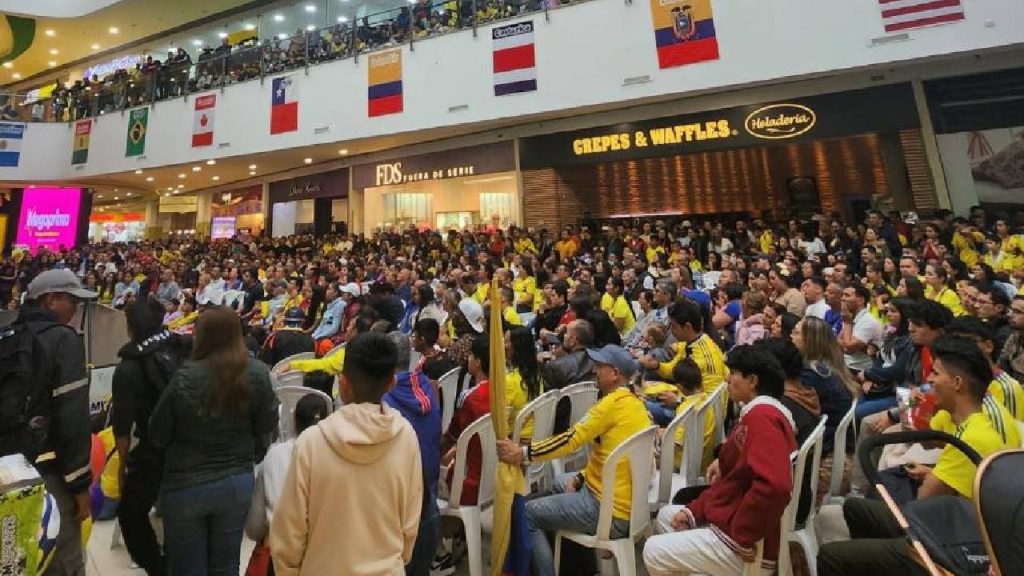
117, 226
315, 204
235, 210
458, 188
177, 216
839, 152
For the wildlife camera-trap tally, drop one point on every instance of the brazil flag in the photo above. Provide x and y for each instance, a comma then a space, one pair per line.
137, 120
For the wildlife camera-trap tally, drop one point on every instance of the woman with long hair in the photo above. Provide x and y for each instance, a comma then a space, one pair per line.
216, 419
522, 381
910, 287
937, 288
889, 366
826, 372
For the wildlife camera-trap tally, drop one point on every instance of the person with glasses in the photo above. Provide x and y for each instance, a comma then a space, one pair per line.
1012, 357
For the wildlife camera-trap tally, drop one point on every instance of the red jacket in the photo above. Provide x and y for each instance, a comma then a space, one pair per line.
475, 404
746, 504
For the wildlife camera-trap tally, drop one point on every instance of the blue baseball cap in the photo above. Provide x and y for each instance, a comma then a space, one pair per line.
616, 356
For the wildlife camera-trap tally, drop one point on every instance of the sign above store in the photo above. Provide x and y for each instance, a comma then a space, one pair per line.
325, 185
873, 110
486, 159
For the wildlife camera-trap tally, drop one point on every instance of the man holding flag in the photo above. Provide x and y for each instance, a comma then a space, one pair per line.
576, 503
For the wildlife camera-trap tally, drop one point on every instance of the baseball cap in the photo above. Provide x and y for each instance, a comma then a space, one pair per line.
473, 312
350, 288
294, 316
58, 281
616, 356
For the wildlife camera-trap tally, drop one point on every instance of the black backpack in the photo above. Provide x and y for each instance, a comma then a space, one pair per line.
24, 394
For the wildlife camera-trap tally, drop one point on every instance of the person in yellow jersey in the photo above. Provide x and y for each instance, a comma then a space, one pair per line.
618, 308
525, 287
685, 320
1011, 248
960, 376
576, 503
524, 244
508, 311
1005, 392
966, 239
936, 287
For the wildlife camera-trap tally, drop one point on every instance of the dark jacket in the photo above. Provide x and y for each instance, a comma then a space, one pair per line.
559, 373
414, 396
69, 430
834, 397
202, 447
146, 368
284, 343
888, 377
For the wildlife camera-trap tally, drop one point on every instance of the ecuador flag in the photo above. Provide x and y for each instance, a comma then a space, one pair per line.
684, 32
510, 541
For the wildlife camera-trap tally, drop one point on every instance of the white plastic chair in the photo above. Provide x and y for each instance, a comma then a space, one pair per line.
804, 536
638, 449
581, 395
470, 515
289, 397
839, 457
542, 409
414, 359
718, 402
447, 386
278, 368
288, 379
668, 481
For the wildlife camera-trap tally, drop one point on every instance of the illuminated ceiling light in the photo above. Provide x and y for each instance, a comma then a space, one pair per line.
99, 195
117, 197
278, 17
222, 35
95, 46
342, 19
8, 65
113, 30
250, 27
197, 42
197, 168
308, 160
211, 162
216, 178
117, 189
282, 36
169, 188
180, 186
129, 194
50, 33
310, 8
52, 63
252, 166
343, 151
182, 175
16, 76
139, 171
167, 193
54, 52
310, 28
149, 178
252, 173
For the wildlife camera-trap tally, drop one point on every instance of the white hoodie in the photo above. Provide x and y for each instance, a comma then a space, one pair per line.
351, 503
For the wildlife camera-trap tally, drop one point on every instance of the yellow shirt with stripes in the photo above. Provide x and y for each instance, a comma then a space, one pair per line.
332, 364
1008, 391
997, 415
610, 422
953, 468
709, 359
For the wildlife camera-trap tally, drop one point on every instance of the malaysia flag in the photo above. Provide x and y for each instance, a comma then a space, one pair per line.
900, 15
203, 119
284, 108
515, 68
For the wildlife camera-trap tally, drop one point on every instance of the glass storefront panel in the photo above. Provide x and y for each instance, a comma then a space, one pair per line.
491, 200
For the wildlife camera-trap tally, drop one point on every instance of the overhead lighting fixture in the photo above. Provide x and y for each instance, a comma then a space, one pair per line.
343, 151
182, 175
167, 193
310, 28
250, 27
95, 46
211, 162
169, 188
216, 178
149, 178
129, 194
117, 197
197, 42
113, 30
252, 173
252, 166
50, 33
8, 65
138, 171
197, 168
310, 8
282, 36
342, 19
180, 186
222, 35
54, 52
278, 17
16, 76
52, 63
308, 160
100, 196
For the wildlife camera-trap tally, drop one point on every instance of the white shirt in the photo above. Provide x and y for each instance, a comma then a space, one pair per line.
818, 309
868, 330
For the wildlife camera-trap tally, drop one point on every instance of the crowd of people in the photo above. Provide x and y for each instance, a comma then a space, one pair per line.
907, 323
154, 79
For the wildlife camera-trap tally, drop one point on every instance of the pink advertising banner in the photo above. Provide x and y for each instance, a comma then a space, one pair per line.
49, 217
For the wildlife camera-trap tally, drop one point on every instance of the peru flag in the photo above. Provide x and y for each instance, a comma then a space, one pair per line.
203, 120
515, 68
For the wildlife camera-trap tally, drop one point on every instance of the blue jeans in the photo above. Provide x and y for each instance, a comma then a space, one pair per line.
576, 511
203, 526
661, 415
869, 407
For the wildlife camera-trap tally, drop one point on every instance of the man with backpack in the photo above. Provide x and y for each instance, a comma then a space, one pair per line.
147, 364
44, 404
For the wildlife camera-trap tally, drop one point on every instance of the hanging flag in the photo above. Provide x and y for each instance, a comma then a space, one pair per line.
137, 122
11, 134
16, 36
900, 15
511, 547
284, 104
684, 32
80, 148
515, 67
384, 78
202, 120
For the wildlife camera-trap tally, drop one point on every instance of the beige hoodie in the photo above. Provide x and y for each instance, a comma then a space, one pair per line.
351, 503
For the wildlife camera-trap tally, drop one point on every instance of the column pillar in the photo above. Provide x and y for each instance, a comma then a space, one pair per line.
931, 146
153, 229
204, 215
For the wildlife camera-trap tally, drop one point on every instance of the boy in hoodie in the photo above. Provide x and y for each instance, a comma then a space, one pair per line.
368, 475
415, 398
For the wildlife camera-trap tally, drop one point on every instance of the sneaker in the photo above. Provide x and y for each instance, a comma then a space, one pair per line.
443, 565
458, 549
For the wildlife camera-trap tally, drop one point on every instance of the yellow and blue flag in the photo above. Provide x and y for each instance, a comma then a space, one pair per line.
684, 32
510, 540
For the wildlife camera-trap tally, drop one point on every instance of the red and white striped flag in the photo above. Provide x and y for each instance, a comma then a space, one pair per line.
202, 121
900, 15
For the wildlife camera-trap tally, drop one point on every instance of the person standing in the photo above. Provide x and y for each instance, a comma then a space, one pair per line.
63, 455
147, 364
215, 420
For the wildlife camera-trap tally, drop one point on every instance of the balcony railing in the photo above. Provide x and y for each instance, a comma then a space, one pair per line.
215, 69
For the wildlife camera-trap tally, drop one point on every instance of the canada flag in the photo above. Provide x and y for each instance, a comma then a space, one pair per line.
202, 123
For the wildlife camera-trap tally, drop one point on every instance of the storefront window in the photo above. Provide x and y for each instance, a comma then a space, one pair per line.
490, 200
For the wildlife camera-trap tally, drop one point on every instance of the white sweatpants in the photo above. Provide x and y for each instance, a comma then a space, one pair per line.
698, 550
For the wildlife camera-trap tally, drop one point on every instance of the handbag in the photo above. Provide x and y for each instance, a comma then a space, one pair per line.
260, 563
